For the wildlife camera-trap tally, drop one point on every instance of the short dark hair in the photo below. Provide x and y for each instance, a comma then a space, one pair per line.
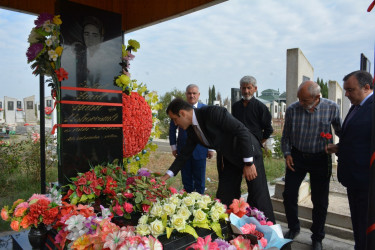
362, 76
177, 104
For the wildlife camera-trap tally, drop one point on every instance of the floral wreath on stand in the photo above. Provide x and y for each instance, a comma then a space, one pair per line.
45, 50
140, 107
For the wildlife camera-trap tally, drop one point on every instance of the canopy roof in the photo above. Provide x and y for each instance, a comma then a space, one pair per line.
136, 14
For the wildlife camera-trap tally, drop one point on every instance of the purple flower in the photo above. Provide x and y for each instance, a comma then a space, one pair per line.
33, 51
224, 245
42, 18
144, 172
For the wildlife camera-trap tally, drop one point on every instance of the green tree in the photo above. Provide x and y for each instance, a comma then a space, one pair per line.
162, 115
213, 95
323, 87
209, 96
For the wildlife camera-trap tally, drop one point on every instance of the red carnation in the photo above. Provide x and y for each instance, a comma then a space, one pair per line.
328, 136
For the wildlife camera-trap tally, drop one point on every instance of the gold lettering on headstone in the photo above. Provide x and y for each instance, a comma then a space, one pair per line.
86, 118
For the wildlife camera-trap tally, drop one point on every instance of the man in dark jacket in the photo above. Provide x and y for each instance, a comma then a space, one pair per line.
215, 128
354, 150
257, 118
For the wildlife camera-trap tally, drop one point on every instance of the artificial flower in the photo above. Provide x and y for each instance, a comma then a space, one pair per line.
156, 227
57, 20
42, 18
241, 244
115, 239
34, 36
61, 74
59, 50
5, 213
133, 45
34, 51
248, 228
263, 242
238, 207
15, 225
205, 243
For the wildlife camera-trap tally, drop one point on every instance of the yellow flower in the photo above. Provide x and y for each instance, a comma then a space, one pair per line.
195, 195
175, 200
143, 229
81, 243
215, 216
53, 65
156, 210
59, 50
178, 222
202, 204
123, 80
143, 220
134, 44
156, 228
188, 201
57, 20
184, 212
206, 198
169, 208
199, 215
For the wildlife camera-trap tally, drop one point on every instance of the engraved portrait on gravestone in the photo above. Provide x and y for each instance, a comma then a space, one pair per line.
10, 105
29, 104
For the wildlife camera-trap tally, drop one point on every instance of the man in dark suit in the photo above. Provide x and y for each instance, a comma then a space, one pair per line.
354, 150
215, 128
194, 172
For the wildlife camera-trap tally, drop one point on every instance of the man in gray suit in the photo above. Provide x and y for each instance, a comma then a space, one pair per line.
214, 127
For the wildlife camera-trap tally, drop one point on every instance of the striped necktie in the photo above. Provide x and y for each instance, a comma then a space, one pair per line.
199, 135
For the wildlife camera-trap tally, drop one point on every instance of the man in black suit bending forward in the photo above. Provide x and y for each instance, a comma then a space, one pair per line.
215, 128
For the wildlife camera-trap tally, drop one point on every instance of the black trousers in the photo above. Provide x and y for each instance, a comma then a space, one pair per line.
358, 203
319, 166
230, 178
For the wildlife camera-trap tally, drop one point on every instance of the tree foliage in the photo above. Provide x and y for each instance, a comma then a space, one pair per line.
323, 87
162, 115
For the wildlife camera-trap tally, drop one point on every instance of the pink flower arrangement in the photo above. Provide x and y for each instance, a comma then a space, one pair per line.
36, 210
238, 207
259, 215
239, 243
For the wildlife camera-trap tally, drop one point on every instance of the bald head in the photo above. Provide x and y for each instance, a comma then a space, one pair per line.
309, 95
310, 87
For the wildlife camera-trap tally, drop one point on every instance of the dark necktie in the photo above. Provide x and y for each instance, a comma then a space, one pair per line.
199, 135
351, 114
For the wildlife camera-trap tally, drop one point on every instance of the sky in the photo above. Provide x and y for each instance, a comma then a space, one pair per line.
221, 44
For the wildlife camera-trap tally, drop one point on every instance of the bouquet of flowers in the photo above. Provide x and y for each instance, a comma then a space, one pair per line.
183, 213
98, 183
39, 209
114, 188
45, 51
238, 243
80, 228
139, 193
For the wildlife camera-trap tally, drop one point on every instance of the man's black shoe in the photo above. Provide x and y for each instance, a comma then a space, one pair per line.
317, 245
291, 234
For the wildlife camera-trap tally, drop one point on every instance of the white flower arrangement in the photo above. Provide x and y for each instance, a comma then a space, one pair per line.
183, 213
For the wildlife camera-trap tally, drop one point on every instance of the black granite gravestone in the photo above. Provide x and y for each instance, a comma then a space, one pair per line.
90, 114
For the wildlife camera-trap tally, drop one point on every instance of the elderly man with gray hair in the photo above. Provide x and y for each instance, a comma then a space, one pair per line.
257, 118
304, 152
